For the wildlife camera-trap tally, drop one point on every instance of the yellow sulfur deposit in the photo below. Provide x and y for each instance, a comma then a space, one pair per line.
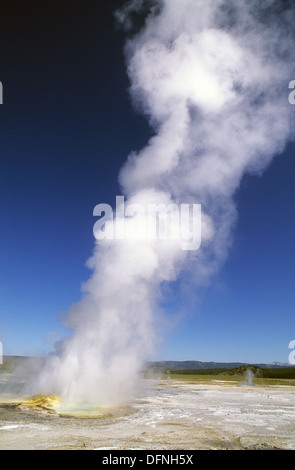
40, 401
52, 404
44, 403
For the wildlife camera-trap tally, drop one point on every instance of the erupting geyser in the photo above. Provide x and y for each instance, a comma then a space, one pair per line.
212, 76
249, 376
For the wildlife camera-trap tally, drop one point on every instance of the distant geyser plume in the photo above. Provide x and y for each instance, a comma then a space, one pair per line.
212, 78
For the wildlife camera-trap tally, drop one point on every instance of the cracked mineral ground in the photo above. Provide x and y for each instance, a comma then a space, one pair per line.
175, 414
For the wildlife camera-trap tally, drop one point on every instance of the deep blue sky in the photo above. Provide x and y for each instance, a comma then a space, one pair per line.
67, 126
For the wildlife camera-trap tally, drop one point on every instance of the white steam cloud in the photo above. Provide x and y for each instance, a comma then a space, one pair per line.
212, 78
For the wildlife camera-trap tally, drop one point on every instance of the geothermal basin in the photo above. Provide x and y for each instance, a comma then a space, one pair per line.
175, 414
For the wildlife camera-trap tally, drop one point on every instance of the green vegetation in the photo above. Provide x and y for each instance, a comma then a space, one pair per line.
261, 375
266, 376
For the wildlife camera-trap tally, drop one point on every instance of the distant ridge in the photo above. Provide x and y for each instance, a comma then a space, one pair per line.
13, 361
212, 365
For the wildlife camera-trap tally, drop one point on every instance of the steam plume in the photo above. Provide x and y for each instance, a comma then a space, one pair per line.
212, 77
